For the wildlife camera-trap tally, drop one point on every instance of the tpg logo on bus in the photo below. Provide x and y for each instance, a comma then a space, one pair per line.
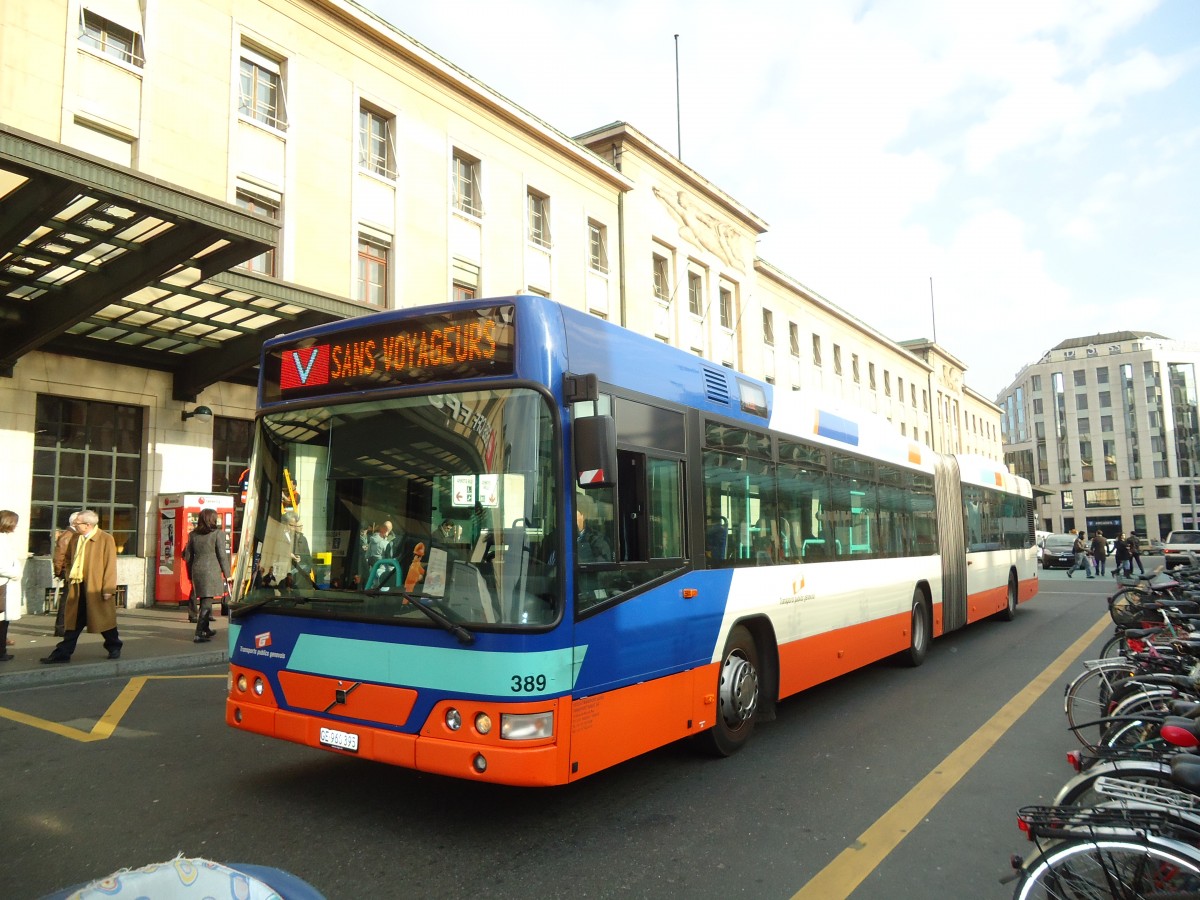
305, 368
262, 640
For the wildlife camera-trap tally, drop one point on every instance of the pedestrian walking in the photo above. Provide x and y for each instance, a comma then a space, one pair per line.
10, 579
91, 589
207, 562
1079, 548
1099, 551
1135, 552
1123, 562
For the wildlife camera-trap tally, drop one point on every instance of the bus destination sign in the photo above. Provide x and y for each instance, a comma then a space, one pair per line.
449, 346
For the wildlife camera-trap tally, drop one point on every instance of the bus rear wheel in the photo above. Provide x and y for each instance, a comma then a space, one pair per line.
738, 686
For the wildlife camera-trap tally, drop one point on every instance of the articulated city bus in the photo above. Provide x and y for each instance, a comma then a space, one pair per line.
508, 541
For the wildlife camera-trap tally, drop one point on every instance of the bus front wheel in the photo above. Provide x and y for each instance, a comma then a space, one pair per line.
1010, 607
920, 631
738, 686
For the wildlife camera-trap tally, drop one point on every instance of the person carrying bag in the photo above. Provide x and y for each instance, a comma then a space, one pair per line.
207, 562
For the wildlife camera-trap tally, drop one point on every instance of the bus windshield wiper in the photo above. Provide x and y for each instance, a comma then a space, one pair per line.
464, 636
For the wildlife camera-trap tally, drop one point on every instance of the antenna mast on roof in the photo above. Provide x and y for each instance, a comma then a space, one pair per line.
678, 131
932, 309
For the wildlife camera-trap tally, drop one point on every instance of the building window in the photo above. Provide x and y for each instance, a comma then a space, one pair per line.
1080, 378
695, 295
1104, 498
232, 440
376, 147
466, 280
1035, 382
539, 219
467, 195
87, 455
854, 372
727, 309
1081, 401
264, 263
837, 359
1137, 496
768, 328
1105, 399
110, 38
794, 339
1083, 425
887, 385
662, 291
1037, 406
1162, 492
816, 345
871, 375
1068, 499
372, 272
262, 96
598, 247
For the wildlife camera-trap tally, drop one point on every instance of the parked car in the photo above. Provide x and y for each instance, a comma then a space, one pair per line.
1152, 547
1058, 552
1182, 547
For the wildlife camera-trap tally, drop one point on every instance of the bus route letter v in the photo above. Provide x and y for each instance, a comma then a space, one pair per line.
305, 368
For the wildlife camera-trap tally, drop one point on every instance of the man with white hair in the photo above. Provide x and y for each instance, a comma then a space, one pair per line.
91, 573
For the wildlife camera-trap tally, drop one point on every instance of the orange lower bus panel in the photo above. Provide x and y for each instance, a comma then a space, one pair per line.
618, 725
822, 657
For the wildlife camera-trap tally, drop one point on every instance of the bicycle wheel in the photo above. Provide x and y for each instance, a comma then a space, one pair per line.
1114, 647
1087, 697
1113, 868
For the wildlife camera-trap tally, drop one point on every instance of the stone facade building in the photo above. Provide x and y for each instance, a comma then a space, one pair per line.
180, 180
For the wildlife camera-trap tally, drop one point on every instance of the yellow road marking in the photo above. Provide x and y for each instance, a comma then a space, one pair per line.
107, 723
851, 867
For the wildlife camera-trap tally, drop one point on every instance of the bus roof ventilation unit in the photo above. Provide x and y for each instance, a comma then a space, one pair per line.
716, 385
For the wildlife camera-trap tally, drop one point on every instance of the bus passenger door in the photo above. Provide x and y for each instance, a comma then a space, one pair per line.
952, 543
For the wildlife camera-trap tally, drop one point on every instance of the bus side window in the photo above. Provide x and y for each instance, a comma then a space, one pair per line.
650, 507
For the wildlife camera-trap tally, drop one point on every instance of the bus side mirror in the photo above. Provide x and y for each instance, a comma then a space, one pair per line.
596, 451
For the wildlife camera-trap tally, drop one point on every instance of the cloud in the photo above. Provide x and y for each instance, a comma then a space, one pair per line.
1035, 157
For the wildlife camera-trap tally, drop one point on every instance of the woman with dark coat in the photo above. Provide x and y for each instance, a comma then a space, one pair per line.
207, 563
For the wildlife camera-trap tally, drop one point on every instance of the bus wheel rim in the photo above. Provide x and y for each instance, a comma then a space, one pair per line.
739, 690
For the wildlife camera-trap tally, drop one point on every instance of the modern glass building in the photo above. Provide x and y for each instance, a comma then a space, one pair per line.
1105, 427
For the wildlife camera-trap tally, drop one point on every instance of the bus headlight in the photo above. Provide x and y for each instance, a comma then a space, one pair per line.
526, 726
483, 723
259, 686
453, 719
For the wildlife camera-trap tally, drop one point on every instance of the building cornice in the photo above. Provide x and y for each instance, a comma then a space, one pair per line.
624, 133
395, 42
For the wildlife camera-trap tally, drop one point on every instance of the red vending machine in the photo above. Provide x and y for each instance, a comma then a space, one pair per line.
177, 516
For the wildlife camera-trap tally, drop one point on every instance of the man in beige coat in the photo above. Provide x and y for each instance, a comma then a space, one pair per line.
91, 572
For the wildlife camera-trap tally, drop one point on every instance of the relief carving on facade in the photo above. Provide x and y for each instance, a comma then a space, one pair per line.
702, 229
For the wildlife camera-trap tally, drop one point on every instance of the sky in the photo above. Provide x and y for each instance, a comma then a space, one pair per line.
998, 176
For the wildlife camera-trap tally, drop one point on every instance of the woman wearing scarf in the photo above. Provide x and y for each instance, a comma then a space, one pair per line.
91, 589
10, 578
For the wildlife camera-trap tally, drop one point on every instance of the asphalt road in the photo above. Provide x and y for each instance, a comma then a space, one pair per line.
886, 754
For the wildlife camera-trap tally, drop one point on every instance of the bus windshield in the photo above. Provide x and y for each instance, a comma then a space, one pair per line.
362, 510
